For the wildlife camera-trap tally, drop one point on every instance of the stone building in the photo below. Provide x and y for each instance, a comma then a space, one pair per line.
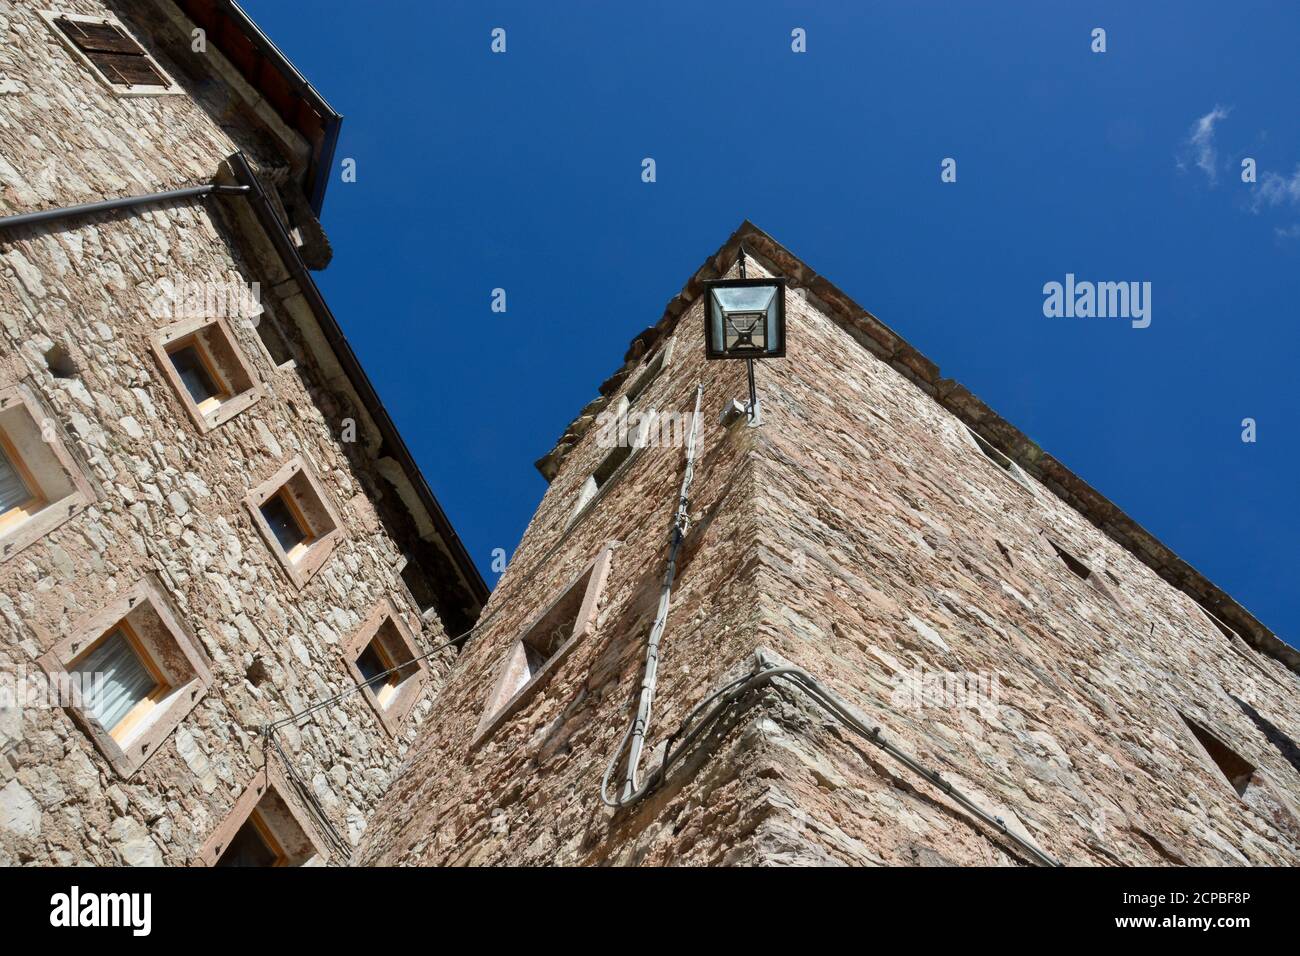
211, 534
208, 522
1054, 684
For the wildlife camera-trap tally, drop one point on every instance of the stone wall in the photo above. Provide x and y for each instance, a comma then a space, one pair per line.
863, 535
168, 499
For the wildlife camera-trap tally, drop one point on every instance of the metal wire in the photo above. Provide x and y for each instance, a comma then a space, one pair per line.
635, 736
737, 690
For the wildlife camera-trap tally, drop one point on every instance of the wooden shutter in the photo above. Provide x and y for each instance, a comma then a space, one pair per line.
109, 47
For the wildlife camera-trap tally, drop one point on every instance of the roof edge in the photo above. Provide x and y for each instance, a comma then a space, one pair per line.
333, 332
322, 153
890, 347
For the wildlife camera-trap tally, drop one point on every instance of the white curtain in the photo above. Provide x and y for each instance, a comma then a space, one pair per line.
126, 681
13, 490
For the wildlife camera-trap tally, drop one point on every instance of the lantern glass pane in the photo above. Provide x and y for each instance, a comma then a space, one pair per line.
744, 319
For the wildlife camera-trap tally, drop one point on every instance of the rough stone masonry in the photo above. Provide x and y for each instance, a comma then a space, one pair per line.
994, 616
160, 531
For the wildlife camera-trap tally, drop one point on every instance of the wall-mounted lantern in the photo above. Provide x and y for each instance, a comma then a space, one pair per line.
745, 319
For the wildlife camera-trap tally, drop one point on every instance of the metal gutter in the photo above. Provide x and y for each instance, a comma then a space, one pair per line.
288, 252
325, 162
126, 202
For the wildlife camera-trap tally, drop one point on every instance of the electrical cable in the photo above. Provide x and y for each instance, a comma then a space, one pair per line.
633, 740
634, 737
694, 726
735, 691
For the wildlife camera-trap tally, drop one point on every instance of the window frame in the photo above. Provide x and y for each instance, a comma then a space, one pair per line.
267, 780
121, 731
171, 88
583, 507
20, 531
502, 703
645, 379
180, 335
1010, 470
407, 692
303, 568
35, 501
152, 729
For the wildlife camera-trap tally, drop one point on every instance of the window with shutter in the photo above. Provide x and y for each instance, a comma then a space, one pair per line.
112, 51
138, 670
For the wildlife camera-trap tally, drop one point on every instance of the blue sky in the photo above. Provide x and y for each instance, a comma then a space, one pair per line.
522, 171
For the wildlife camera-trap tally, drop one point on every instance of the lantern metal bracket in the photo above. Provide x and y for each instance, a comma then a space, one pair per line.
753, 410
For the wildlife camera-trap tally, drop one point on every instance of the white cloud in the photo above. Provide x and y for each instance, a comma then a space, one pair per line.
1276, 190
1199, 148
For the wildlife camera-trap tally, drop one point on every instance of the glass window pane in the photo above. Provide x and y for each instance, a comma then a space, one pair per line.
194, 374
748, 298
773, 342
283, 524
371, 666
13, 490
115, 679
746, 331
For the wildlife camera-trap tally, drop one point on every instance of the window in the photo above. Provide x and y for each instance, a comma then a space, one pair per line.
1234, 767
18, 500
1082, 571
136, 673
253, 845
265, 827
197, 375
125, 683
293, 513
382, 655
610, 467
997, 457
419, 585
628, 436
41, 486
287, 523
104, 45
544, 645
207, 370
1074, 564
273, 340
647, 377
